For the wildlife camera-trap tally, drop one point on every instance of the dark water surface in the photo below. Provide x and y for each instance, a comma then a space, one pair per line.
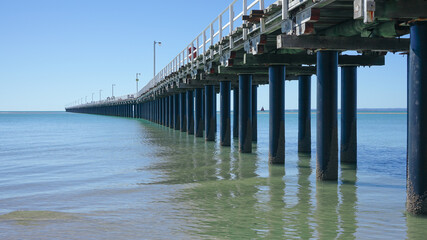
76, 176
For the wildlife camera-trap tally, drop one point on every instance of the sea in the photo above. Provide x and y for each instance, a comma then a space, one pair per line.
79, 176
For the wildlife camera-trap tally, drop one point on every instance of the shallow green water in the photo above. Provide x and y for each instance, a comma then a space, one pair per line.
74, 176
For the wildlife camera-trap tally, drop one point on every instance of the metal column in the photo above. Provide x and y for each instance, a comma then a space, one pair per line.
236, 112
215, 111
348, 115
304, 114
198, 112
163, 111
225, 128
176, 111
161, 107
171, 116
183, 112
276, 154
245, 113
210, 123
327, 136
166, 111
254, 113
416, 201
190, 112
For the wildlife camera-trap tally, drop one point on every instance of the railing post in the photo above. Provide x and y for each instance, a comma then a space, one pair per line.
262, 20
245, 12
212, 39
285, 9
231, 26
204, 47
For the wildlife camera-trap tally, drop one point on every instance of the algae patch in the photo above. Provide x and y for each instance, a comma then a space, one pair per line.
36, 216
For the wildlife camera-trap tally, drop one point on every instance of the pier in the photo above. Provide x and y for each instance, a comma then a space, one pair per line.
290, 40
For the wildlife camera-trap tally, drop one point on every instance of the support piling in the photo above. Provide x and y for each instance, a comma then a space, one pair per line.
225, 128
276, 154
176, 111
236, 112
254, 113
304, 114
348, 149
190, 112
327, 138
245, 113
183, 112
198, 112
416, 185
210, 123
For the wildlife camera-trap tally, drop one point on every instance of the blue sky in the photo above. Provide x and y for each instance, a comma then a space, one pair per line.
54, 52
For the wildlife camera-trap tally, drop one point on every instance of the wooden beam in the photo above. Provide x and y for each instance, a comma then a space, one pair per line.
342, 43
300, 59
403, 9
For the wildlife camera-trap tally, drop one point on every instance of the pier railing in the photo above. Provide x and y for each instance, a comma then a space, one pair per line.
202, 46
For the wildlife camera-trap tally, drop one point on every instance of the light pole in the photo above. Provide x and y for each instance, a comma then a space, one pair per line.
154, 62
92, 96
137, 80
112, 90
100, 90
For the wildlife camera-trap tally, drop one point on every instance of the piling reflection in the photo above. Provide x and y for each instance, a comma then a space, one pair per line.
348, 206
226, 198
326, 213
416, 227
277, 212
304, 208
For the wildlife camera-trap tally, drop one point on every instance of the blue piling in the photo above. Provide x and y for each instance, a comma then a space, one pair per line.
198, 112
245, 113
171, 107
276, 76
225, 128
183, 112
348, 149
416, 202
176, 112
304, 114
210, 123
254, 113
190, 112
327, 136
236, 112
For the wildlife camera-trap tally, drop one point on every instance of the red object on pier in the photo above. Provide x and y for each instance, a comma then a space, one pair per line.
194, 53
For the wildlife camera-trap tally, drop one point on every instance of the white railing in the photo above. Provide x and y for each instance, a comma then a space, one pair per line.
103, 101
200, 46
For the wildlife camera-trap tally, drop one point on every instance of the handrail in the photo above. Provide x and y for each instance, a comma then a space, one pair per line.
201, 45
190, 53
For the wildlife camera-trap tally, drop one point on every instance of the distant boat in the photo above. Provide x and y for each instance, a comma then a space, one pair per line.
262, 109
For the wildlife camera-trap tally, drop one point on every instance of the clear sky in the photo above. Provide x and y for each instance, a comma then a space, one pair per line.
55, 52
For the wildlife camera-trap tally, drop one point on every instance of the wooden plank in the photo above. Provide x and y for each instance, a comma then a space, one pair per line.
299, 59
342, 43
